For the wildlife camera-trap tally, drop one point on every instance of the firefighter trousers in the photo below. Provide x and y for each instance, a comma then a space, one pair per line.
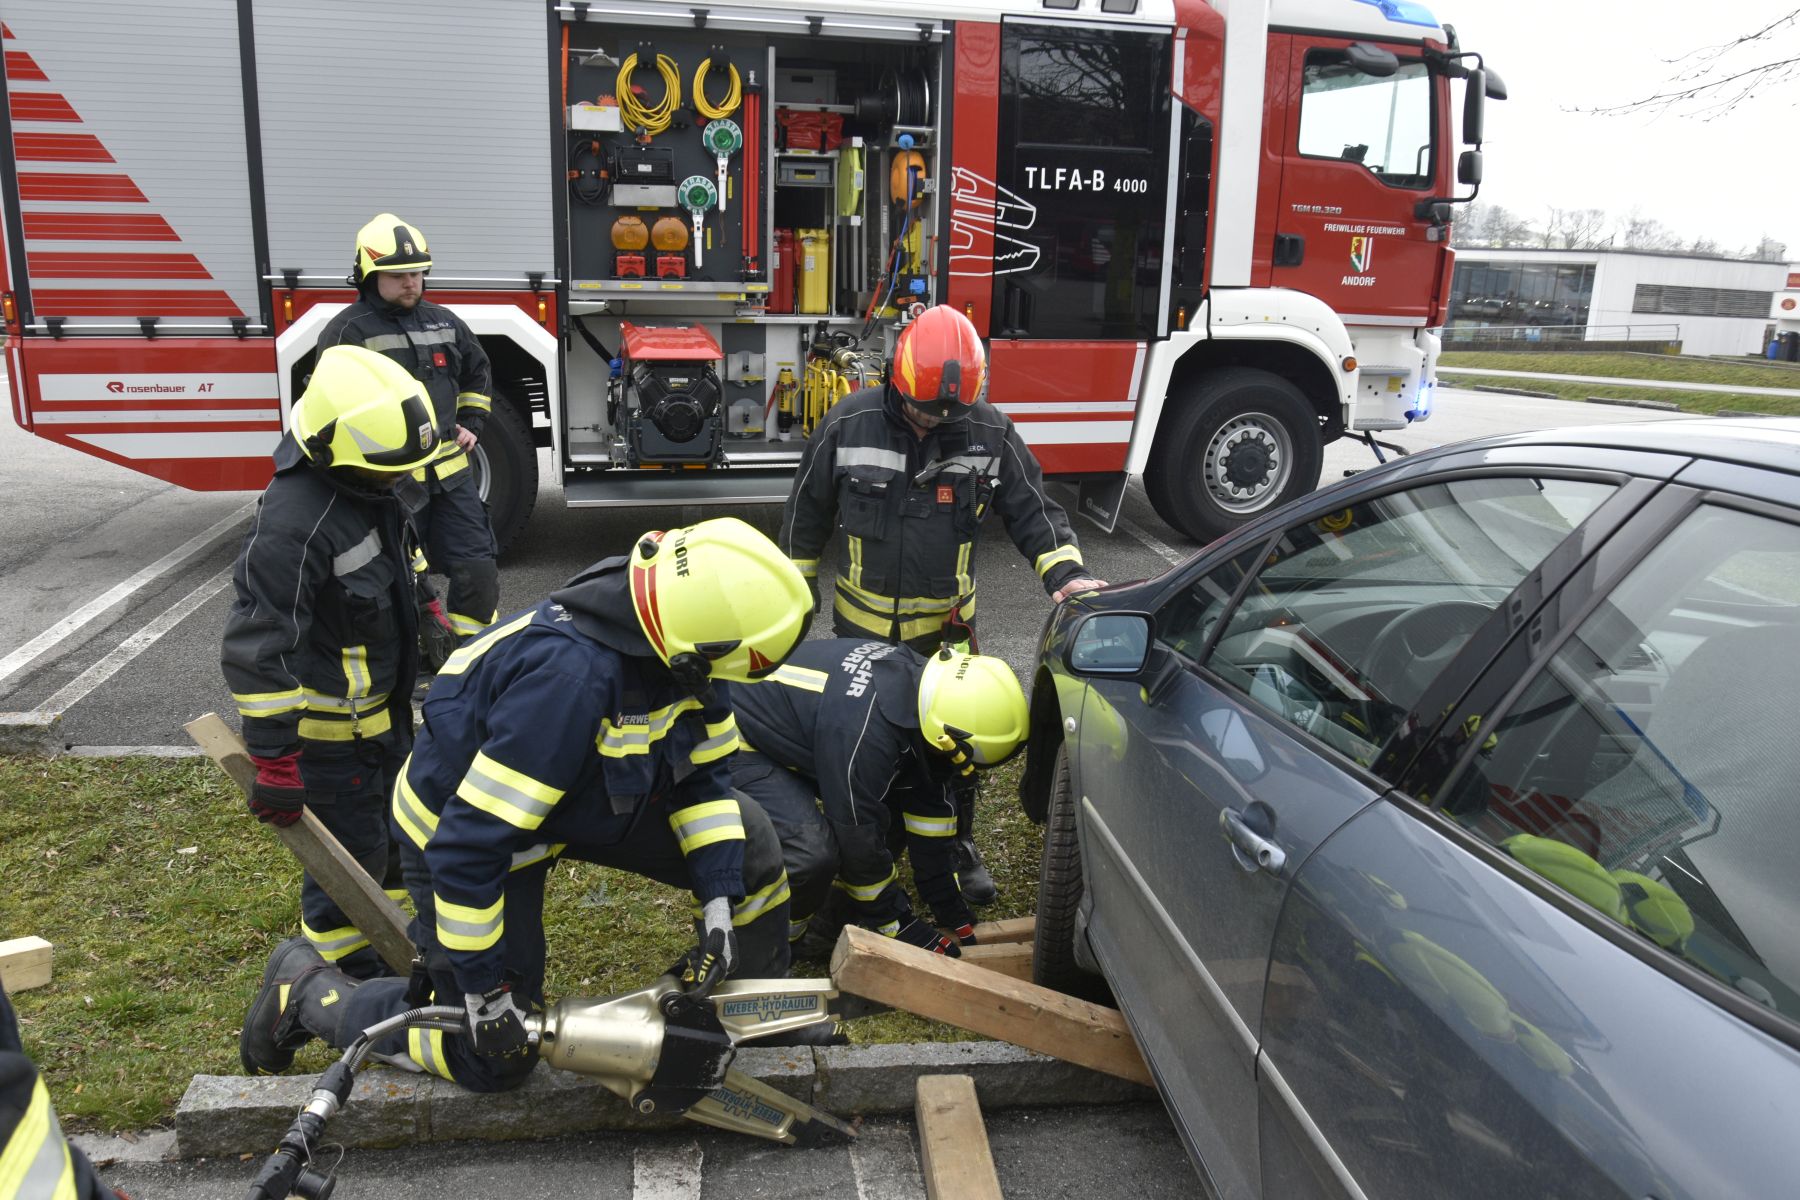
648, 849
347, 786
459, 542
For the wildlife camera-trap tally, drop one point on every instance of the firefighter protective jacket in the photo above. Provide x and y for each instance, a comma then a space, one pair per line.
439, 350
911, 507
559, 725
321, 641
845, 714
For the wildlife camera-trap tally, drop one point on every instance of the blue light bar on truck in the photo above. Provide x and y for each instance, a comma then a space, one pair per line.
1404, 12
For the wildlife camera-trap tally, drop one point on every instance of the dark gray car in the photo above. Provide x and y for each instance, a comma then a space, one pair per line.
1439, 834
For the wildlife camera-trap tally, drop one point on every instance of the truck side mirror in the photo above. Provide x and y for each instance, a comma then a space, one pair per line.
1372, 60
1496, 86
1468, 168
1474, 97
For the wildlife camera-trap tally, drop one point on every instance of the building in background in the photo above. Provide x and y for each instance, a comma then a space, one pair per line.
1785, 313
1708, 305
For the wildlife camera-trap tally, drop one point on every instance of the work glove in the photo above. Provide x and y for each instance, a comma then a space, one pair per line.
496, 1026
711, 961
437, 637
1076, 587
277, 794
915, 932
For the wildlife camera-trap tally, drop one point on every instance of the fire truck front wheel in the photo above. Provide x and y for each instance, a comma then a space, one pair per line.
506, 471
1239, 442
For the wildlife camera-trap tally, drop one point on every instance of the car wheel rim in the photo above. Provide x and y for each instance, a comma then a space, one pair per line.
1248, 462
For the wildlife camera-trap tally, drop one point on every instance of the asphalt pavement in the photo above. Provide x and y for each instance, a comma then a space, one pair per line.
114, 586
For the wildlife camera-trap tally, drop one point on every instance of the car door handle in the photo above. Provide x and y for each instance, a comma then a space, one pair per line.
1265, 854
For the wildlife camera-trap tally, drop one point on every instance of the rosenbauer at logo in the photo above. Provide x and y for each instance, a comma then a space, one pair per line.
119, 387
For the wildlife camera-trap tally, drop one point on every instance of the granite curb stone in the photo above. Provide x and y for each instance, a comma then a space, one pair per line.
230, 1115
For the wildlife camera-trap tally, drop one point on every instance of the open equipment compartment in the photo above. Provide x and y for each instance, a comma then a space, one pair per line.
773, 195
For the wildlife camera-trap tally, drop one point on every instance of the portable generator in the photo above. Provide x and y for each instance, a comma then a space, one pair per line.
668, 396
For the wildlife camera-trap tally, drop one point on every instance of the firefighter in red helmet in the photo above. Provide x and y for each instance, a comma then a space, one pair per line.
910, 472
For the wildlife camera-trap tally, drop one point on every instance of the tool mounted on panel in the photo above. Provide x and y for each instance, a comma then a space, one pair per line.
697, 195
648, 120
723, 138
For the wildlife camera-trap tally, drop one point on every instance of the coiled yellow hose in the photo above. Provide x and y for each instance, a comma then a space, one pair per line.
732, 99
652, 120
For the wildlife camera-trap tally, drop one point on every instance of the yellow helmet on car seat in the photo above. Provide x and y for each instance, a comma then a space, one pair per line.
363, 409
387, 243
718, 600
971, 704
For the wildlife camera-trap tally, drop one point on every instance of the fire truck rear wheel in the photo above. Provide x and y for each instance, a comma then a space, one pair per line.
1238, 443
506, 471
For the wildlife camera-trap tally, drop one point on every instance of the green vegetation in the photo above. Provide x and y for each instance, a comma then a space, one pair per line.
163, 899
1690, 402
1669, 368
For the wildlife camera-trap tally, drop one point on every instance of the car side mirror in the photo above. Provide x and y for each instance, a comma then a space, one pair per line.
1110, 645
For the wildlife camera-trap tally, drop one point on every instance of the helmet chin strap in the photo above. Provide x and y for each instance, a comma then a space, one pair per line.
693, 673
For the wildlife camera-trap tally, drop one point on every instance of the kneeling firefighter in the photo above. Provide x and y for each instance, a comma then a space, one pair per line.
851, 741
320, 645
594, 726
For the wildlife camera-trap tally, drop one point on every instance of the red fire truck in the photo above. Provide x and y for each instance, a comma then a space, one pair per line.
1203, 239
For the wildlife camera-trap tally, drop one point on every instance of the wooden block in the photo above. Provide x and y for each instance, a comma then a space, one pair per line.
24, 963
324, 857
986, 1002
1016, 929
1008, 958
953, 1144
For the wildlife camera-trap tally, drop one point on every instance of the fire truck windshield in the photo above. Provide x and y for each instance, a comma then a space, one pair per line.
1382, 122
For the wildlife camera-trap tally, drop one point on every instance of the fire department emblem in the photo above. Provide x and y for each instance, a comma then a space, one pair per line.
1362, 252
426, 433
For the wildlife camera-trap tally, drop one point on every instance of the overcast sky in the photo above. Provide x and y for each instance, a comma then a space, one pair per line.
1733, 178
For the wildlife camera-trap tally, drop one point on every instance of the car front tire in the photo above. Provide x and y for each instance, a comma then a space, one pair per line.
1053, 961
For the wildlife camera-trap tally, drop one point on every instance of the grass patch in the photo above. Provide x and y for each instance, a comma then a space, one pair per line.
1692, 402
1667, 368
163, 899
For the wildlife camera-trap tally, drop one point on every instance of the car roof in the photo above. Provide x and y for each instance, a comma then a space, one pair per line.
1773, 442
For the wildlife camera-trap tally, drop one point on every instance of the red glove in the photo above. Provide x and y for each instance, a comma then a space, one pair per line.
436, 609
277, 795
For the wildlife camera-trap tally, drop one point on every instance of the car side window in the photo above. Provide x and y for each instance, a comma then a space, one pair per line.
1354, 613
1651, 770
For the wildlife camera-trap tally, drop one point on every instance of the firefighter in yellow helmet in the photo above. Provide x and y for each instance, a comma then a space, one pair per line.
910, 471
320, 645
594, 725
855, 748
392, 316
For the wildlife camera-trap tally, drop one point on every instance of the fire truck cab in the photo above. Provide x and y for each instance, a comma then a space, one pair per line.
1201, 239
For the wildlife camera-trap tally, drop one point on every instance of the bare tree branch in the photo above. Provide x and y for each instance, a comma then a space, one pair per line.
1706, 89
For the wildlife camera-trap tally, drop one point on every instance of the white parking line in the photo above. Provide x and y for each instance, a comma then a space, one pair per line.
73, 692
1149, 539
885, 1164
54, 636
666, 1173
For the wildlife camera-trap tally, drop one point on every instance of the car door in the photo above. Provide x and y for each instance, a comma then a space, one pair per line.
1203, 787
1563, 958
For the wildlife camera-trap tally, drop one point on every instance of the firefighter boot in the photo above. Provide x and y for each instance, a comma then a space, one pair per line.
971, 873
270, 1035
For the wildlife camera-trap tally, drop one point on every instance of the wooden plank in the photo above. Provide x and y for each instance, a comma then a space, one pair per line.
1009, 958
24, 963
986, 1002
1016, 929
381, 920
954, 1155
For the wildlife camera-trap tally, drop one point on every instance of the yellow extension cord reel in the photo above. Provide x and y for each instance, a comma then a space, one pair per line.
733, 97
650, 120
